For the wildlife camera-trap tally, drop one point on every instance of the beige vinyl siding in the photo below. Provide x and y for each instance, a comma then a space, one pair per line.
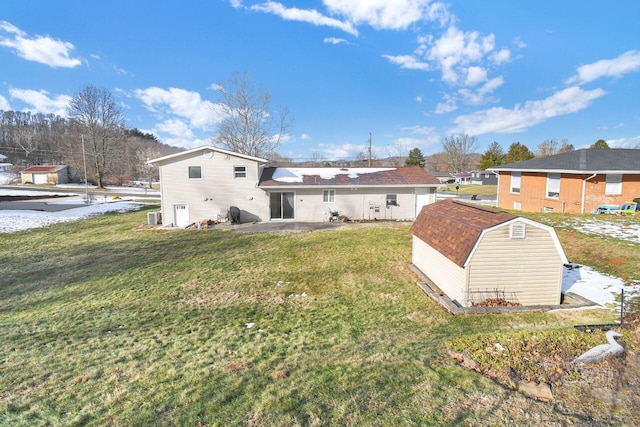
527, 270
216, 190
355, 203
444, 273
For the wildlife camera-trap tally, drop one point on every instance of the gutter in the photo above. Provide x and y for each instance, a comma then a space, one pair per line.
584, 189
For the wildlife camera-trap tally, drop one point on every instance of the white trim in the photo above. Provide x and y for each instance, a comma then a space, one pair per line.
571, 171
203, 148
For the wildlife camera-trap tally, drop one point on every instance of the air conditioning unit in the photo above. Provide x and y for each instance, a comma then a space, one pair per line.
152, 218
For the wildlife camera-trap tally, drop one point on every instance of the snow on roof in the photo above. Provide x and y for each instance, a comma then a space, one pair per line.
292, 175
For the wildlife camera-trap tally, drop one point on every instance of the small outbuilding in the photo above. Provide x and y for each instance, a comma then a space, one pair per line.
473, 254
45, 175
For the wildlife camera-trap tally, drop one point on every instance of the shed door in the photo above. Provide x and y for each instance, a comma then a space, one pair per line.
181, 215
40, 178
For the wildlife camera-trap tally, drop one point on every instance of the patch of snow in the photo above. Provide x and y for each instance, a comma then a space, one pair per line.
250, 325
619, 230
7, 178
293, 175
10, 192
595, 286
13, 221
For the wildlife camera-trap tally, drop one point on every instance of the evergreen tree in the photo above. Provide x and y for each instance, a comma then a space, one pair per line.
416, 158
517, 153
601, 143
492, 157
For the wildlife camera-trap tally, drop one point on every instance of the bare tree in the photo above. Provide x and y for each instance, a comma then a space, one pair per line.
458, 150
547, 148
101, 124
250, 125
565, 147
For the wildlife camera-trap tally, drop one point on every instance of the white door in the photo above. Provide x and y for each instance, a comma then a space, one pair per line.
421, 200
181, 215
40, 178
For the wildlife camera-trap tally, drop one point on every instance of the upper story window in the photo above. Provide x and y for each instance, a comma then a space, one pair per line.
392, 200
515, 182
195, 172
239, 171
613, 187
328, 196
553, 185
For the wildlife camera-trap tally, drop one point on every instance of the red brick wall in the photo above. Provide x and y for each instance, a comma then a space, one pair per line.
533, 190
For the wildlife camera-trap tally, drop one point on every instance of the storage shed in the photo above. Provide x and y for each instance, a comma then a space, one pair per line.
473, 253
45, 175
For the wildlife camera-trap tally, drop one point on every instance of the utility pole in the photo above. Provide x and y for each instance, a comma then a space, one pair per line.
369, 149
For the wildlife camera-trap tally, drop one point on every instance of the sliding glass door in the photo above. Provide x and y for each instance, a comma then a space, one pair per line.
282, 204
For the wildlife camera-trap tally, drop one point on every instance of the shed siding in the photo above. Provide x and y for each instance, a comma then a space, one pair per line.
445, 274
218, 186
527, 270
355, 203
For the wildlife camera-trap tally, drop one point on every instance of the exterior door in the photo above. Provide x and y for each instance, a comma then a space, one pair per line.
181, 215
281, 204
40, 178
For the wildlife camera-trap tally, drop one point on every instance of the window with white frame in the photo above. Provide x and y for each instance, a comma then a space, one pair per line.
517, 206
515, 182
328, 196
553, 185
392, 200
239, 171
613, 186
195, 172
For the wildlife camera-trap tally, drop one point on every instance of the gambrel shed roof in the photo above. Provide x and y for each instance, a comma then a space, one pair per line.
453, 228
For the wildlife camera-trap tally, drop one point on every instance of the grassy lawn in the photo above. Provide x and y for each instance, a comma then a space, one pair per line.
102, 323
481, 190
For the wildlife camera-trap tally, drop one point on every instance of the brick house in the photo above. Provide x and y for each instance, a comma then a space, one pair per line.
573, 182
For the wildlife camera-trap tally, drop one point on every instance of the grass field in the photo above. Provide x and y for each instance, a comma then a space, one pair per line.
104, 323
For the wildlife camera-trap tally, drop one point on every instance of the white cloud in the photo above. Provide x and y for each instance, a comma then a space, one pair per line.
519, 43
41, 101
42, 49
456, 49
201, 114
475, 75
407, 61
4, 104
520, 118
343, 151
630, 142
380, 14
311, 16
175, 127
447, 106
305, 137
418, 98
335, 40
185, 142
236, 3
480, 96
626, 63
501, 56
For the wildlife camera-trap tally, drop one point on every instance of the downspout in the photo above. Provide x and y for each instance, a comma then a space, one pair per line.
584, 190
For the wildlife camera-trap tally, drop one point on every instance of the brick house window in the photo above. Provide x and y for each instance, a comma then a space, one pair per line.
613, 186
515, 182
553, 185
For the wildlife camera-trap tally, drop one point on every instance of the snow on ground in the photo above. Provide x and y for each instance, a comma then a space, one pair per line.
9, 192
12, 221
594, 286
129, 190
7, 178
620, 230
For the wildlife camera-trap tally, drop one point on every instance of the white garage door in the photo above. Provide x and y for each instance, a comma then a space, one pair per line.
40, 178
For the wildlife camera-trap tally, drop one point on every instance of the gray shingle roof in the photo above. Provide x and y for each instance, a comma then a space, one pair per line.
582, 161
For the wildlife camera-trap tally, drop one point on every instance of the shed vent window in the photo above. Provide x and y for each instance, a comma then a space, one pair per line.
518, 231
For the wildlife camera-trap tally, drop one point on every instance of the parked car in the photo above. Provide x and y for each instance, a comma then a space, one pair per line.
607, 209
629, 208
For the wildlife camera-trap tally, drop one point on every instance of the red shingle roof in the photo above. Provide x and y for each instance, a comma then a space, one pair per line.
452, 227
287, 177
43, 169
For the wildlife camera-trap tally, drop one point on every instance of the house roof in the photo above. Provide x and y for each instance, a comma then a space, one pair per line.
347, 177
202, 149
588, 160
453, 228
43, 169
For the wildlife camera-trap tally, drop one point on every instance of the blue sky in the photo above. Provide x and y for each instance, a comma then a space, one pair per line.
411, 72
